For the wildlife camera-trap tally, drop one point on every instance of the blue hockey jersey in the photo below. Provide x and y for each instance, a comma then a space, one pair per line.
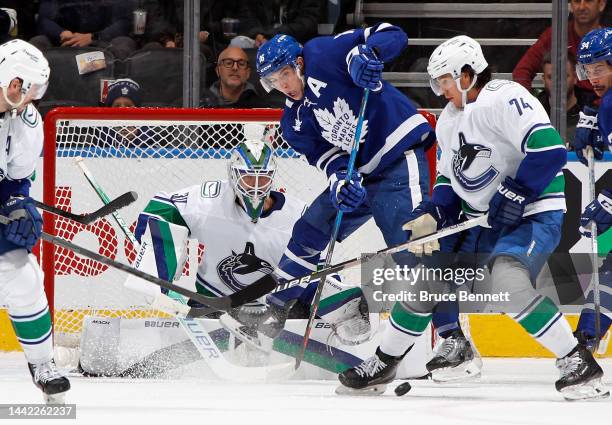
604, 118
321, 126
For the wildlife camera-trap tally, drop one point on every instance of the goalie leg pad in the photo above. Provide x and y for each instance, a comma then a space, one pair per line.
162, 254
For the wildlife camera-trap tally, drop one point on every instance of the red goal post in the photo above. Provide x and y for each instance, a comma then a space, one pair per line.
146, 150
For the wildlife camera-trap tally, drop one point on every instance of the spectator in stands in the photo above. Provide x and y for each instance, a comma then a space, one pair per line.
587, 15
22, 17
298, 18
5, 26
82, 23
574, 102
123, 93
233, 89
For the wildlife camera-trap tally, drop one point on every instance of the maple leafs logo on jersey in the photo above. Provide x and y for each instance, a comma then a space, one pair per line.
239, 270
339, 125
465, 157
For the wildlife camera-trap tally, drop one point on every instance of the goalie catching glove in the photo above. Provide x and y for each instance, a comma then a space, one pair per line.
346, 195
26, 223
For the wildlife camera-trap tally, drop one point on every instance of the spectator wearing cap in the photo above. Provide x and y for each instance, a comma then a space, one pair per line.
233, 89
123, 93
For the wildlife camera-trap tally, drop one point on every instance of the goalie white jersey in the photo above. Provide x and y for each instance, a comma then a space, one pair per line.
490, 139
237, 251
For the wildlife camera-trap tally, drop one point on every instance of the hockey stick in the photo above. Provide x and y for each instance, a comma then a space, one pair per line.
332, 242
322, 273
250, 293
197, 333
594, 249
112, 206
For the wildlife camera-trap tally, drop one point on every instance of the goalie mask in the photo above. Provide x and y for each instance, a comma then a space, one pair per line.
252, 168
449, 58
19, 59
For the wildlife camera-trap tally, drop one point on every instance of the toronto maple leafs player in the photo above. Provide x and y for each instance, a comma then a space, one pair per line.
24, 74
594, 129
245, 226
324, 84
499, 153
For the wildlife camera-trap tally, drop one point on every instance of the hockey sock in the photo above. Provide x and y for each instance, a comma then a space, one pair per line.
537, 314
546, 324
446, 318
32, 326
586, 323
405, 326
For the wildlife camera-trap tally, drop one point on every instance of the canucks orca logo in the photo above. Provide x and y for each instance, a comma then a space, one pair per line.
240, 270
464, 158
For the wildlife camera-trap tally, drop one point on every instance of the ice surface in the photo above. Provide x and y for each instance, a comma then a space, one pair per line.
512, 391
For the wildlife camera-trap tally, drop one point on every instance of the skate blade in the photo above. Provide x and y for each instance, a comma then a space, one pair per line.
461, 373
593, 390
262, 343
59, 398
374, 390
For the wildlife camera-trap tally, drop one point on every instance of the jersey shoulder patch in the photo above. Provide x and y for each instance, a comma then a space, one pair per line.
210, 189
30, 116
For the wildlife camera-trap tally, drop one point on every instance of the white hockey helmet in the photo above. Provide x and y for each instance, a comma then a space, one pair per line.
450, 57
252, 168
19, 59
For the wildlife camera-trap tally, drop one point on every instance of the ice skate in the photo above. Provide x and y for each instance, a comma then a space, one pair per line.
370, 377
580, 376
455, 359
52, 383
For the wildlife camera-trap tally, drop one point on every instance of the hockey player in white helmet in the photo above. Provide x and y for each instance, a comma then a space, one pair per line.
499, 156
24, 74
245, 226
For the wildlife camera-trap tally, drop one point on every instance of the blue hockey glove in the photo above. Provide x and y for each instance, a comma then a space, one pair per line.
346, 196
365, 68
26, 223
600, 211
508, 204
587, 134
425, 219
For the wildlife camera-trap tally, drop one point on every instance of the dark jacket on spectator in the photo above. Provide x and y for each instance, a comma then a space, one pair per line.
106, 19
298, 18
531, 62
249, 98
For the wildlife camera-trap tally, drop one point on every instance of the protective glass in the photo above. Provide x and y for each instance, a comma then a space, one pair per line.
592, 71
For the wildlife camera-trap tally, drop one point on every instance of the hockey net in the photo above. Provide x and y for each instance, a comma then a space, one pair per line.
147, 151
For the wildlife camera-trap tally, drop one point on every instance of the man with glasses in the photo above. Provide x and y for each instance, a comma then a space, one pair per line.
233, 90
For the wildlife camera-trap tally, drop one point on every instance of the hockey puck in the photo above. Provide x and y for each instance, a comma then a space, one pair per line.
402, 389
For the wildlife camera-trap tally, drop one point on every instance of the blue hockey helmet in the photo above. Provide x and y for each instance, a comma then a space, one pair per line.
594, 47
280, 51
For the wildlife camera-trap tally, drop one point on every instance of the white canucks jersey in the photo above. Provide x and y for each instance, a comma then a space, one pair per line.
487, 141
21, 142
237, 251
